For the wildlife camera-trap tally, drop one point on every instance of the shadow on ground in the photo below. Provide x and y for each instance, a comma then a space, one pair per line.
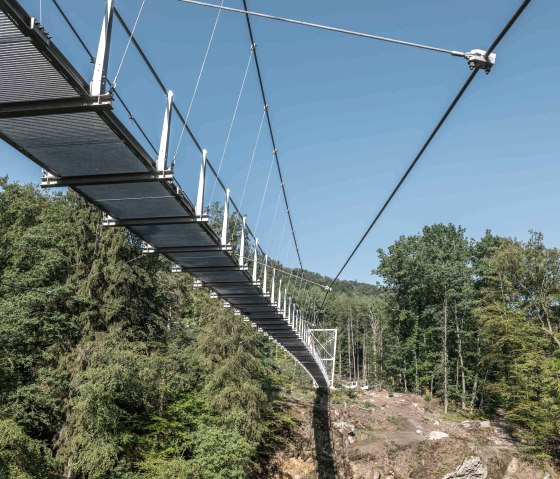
322, 433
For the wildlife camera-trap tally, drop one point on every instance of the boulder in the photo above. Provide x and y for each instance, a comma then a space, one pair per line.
472, 468
436, 435
343, 426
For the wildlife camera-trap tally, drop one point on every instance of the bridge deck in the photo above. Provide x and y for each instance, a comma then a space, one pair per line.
47, 113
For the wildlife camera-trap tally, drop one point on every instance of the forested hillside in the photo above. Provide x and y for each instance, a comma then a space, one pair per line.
474, 323
112, 367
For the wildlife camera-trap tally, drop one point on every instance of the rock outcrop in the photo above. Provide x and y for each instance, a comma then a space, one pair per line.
472, 468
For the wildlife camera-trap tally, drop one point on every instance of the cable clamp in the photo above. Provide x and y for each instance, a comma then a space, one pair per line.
253, 47
479, 59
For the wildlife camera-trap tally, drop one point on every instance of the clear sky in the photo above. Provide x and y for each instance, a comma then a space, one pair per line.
350, 114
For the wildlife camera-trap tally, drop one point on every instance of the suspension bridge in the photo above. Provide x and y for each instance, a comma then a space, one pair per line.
68, 125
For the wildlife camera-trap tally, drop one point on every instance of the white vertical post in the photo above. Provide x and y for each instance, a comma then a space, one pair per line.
255, 260
273, 286
226, 219
99, 83
265, 273
290, 311
201, 184
164, 143
280, 294
242, 243
334, 357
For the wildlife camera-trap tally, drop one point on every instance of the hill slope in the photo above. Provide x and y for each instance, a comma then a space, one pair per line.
380, 436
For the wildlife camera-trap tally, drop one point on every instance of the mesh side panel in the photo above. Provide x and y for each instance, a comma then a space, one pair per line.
25, 74
7, 27
57, 130
175, 235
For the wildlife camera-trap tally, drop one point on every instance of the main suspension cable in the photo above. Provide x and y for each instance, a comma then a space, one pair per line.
428, 141
74, 31
272, 139
328, 28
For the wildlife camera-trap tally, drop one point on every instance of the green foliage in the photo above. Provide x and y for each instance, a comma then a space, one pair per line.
475, 324
110, 366
520, 324
22, 457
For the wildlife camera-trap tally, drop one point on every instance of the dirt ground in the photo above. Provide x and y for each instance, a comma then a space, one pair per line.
380, 436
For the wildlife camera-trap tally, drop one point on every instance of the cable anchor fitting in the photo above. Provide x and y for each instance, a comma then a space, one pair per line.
481, 60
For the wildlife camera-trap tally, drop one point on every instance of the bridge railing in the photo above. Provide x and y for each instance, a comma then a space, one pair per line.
232, 226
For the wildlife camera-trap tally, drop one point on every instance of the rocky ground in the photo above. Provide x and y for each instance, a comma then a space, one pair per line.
380, 436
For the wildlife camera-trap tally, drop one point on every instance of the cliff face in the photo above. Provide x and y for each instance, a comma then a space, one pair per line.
375, 435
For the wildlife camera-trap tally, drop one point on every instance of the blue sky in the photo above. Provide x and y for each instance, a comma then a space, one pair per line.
349, 115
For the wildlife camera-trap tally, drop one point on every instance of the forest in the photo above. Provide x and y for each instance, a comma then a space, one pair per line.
113, 367
474, 324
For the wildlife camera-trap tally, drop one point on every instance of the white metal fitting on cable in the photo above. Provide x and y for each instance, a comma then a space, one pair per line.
481, 60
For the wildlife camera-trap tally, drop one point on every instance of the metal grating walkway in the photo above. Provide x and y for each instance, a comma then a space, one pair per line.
48, 114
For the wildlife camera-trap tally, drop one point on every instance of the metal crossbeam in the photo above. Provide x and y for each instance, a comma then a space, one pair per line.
186, 249
213, 269
117, 178
161, 221
60, 106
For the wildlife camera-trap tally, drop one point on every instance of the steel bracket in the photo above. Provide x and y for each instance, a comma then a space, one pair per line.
479, 59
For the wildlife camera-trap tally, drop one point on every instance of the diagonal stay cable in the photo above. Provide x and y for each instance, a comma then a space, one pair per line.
114, 84
252, 162
271, 132
197, 85
264, 195
156, 76
271, 229
92, 60
325, 27
228, 137
428, 141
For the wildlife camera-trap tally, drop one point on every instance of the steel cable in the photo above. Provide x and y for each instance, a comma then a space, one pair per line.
326, 27
114, 84
428, 141
196, 86
233, 120
272, 138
